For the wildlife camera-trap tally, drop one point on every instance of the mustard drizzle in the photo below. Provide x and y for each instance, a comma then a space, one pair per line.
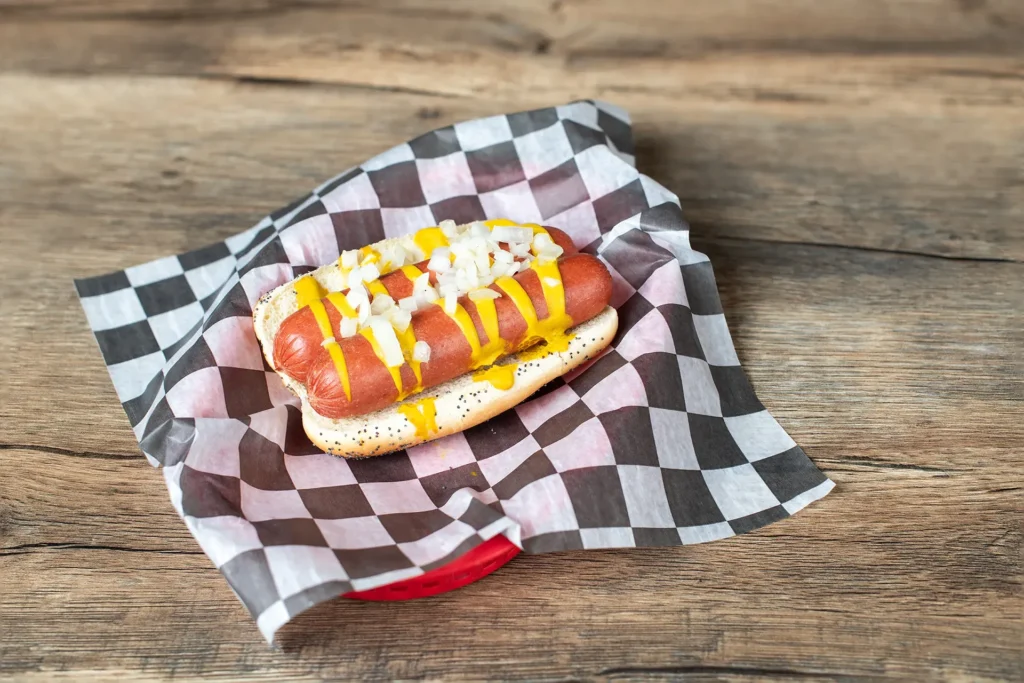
309, 293
551, 329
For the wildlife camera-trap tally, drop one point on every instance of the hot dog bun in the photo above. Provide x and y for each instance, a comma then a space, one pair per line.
458, 404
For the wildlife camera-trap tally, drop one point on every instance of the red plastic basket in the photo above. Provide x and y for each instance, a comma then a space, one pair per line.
473, 566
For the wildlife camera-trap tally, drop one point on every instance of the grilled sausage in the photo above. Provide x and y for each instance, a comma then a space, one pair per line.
298, 340
587, 286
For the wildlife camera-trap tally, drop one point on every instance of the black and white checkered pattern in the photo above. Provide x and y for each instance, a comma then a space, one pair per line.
660, 441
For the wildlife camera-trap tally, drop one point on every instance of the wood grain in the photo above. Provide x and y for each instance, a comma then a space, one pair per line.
855, 171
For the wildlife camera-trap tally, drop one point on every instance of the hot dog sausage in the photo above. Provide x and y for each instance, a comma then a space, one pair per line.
587, 286
298, 339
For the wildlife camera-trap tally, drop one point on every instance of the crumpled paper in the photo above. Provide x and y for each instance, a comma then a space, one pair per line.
659, 441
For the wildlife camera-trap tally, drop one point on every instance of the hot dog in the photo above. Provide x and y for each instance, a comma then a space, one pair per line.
422, 336
587, 286
298, 342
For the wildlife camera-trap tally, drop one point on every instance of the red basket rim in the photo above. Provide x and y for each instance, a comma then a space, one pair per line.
473, 566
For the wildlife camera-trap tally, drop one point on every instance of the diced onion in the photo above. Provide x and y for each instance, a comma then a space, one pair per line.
349, 327
426, 296
520, 250
511, 235
356, 294
483, 293
349, 259
448, 229
549, 254
328, 341
422, 282
408, 304
393, 256
483, 261
440, 260
381, 303
451, 302
541, 240
400, 319
421, 352
388, 342
369, 272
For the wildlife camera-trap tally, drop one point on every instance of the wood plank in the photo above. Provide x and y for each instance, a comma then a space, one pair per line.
746, 161
547, 26
194, 175
856, 607
133, 129
928, 466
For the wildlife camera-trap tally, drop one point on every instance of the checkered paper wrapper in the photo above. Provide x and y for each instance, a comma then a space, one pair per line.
660, 441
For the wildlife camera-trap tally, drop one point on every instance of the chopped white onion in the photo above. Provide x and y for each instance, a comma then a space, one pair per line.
502, 256
440, 260
369, 272
356, 294
478, 229
421, 282
548, 254
381, 303
511, 234
399, 319
363, 312
328, 341
384, 333
421, 352
408, 304
541, 240
520, 250
465, 280
451, 302
349, 259
483, 293
449, 229
483, 261
349, 327
426, 296
393, 255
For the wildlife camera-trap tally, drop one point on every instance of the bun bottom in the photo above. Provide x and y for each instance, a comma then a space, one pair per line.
460, 403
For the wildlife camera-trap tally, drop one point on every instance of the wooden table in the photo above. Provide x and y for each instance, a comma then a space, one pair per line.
855, 170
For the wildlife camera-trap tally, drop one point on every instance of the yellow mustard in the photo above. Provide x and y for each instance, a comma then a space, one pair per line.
309, 293
429, 239
422, 415
396, 373
551, 330
500, 376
